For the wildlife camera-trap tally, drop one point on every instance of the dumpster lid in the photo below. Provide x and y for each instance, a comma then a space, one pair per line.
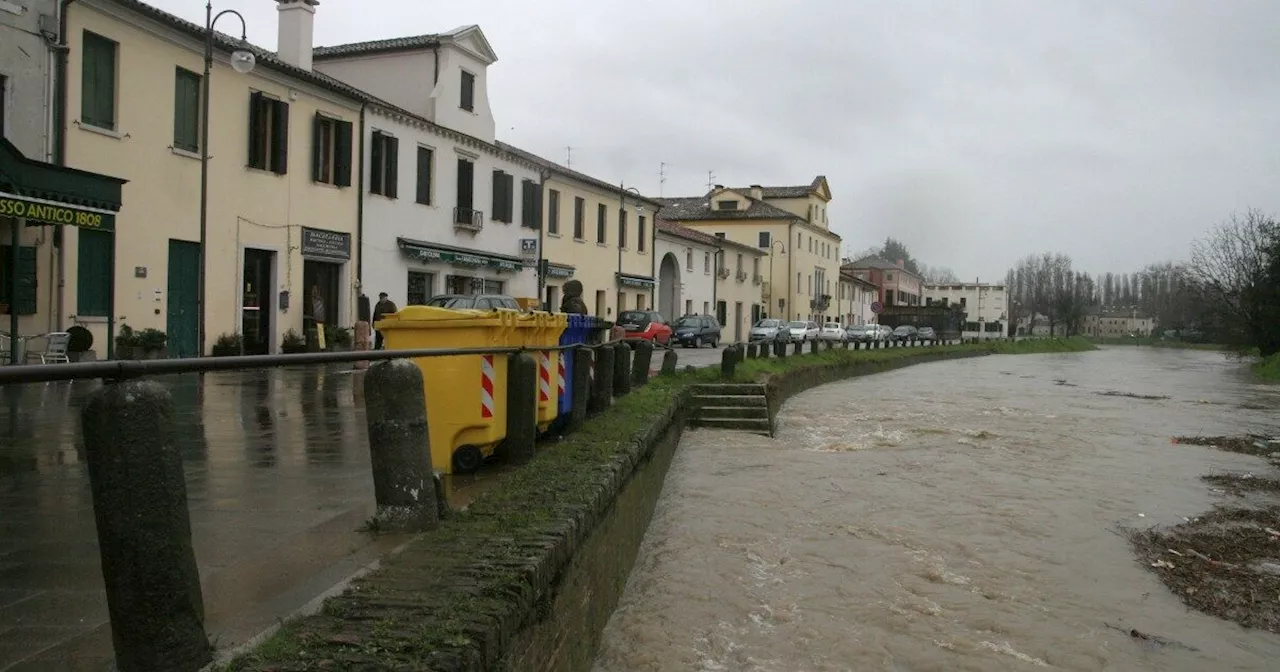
437, 314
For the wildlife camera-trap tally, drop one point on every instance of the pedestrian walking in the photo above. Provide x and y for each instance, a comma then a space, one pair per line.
385, 306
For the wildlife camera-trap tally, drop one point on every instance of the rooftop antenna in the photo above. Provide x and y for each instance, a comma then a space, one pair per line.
662, 177
711, 180
568, 159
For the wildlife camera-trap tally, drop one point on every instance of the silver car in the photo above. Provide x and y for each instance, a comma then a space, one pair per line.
802, 330
770, 330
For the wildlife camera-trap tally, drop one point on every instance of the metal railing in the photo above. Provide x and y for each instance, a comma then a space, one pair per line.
468, 219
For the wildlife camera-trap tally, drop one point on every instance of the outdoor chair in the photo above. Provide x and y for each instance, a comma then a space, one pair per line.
6, 347
55, 351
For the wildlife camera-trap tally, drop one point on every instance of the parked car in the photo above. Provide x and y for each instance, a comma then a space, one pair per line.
694, 330
904, 333
857, 333
927, 334
802, 330
647, 325
473, 301
883, 332
769, 329
832, 331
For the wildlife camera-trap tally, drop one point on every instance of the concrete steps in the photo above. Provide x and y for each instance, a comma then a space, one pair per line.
732, 406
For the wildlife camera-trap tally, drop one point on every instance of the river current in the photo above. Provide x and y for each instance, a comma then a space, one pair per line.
958, 515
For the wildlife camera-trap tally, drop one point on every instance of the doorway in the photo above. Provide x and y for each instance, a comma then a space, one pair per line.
255, 301
183, 319
553, 298
669, 287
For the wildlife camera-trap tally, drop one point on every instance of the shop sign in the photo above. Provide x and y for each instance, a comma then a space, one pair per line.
39, 211
554, 271
529, 249
635, 282
329, 244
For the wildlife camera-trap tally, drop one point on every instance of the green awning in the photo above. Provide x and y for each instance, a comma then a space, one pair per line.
428, 252
44, 193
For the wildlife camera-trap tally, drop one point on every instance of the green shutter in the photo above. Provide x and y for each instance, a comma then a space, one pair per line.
376, 163
393, 166
317, 147
94, 278
342, 159
186, 110
256, 130
424, 176
98, 81
280, 138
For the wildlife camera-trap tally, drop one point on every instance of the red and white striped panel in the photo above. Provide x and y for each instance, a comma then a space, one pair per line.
544, 377
560, 371
486, 386
591, 369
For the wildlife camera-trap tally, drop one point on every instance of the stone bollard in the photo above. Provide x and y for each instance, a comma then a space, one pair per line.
779, 349
621, 369
400, 446
813, 347
798, 348
757, 350
640, 364
670, 360
144, 529
522, 409
602, 387
581, 386
750, 352
764, 350
728, 361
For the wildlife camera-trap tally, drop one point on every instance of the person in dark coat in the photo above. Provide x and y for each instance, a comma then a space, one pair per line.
385, 306
572, 302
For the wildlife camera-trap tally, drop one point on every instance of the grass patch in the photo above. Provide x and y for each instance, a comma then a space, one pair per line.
435, 604
1148, 342
1268, 368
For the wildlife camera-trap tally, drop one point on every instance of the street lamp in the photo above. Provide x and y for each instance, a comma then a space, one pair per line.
772, 247
242, 61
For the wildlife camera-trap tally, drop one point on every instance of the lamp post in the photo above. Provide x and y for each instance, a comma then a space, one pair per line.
242, 61
772, 284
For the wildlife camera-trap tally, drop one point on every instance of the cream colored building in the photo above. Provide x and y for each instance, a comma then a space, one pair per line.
1118, 324
599, 234
282, 207
739, 288
854, 299
789, 225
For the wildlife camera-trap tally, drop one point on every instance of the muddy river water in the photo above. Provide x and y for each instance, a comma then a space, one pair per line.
949, 516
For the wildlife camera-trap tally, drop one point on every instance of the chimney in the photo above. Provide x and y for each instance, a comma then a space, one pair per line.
297, 20
719, 187
757, 192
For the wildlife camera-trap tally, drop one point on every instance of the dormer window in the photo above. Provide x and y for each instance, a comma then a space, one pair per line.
468, 99
730, 204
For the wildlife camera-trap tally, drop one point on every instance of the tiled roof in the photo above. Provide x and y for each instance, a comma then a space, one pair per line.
575, 175
874, 261
227, 43
699, 208
798, 191
377, 46
704, 238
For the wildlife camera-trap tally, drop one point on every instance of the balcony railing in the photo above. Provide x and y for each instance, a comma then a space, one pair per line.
757, 279
742, 276
723, 273
468, 219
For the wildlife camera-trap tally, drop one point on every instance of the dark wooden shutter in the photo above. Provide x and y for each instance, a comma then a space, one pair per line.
466, 184
256, 128
280, 138
509, 193
393, 166
536, 188
497, 196
343, 143
424, 176
376, 163
317, 147
98, 81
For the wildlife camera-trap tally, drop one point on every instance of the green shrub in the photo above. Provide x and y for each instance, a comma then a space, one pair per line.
293, 343
228, 345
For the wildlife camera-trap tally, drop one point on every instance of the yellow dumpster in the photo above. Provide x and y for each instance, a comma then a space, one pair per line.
535, 330
466, 394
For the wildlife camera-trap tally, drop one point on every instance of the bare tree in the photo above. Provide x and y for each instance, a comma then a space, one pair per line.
1236, 269
938, 275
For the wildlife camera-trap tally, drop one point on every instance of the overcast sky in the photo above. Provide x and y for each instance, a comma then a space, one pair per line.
976, 131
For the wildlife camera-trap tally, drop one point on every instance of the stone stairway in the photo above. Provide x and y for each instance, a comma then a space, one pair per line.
736, 406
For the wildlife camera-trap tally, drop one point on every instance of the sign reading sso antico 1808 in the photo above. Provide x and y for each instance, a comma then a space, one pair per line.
53, 213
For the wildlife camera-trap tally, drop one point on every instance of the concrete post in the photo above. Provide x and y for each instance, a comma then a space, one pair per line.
640, 365
621, 369
758, 350
144, 530
750, 352
581, 386
400, 446
764, 349
728, 361
602, 389
813, 347
669, 362
799, 348
522, 408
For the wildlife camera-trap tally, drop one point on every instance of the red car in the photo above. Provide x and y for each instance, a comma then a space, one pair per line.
646, 324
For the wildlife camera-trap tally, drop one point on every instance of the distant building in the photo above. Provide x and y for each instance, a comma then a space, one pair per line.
898, 286
855, 298
985, 306
1118, 324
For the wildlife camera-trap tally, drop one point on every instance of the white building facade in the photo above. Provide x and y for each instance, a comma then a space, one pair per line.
687, 278
854, 300
986, 306
445, 210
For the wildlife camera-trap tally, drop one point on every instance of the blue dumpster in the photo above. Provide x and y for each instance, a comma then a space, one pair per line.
574, 334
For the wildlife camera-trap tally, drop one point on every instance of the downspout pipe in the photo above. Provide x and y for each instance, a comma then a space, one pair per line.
360, 208
543, 176
791, 292
59, 132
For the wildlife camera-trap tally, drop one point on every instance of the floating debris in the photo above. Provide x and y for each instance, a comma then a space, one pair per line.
1148, 397
1249, 445
1150, 641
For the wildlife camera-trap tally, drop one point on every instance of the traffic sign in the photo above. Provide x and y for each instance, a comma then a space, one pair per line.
876, 306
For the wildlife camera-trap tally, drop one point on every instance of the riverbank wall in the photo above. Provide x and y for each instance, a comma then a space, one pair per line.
527, 577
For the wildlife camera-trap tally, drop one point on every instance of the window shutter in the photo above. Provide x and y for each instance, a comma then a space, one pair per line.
317, 142
497, 196
256, 159
393, 166
342, 159
24, 296
424, 176
537, 204
376, 163
280, 138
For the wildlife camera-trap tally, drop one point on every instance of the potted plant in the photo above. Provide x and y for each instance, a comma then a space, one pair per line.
126, 342
151, 343
293, 343
228, 345
80, 344
337, 338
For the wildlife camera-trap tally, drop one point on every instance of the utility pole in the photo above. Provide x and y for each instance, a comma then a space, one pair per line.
662, 177
711, 180
568, 158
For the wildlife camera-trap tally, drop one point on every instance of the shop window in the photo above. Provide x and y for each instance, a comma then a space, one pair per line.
419, 288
